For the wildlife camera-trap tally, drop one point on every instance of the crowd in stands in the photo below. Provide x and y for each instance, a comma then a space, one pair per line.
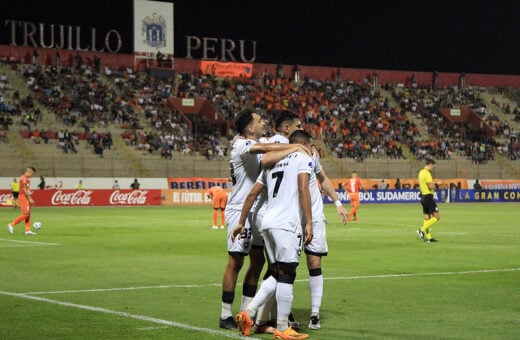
354, 120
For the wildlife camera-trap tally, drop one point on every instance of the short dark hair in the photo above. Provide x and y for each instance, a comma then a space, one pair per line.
300, 136
243, 119
284, 116
32, 168
430, 161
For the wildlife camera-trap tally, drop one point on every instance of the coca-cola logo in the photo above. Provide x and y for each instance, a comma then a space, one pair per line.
79, 197
136, 197
4, 198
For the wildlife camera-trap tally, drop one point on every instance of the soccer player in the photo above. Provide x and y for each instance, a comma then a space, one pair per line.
430, 209
352, 186
245, 163
288, 204
25, 202
286, 123
15, 190
219, 197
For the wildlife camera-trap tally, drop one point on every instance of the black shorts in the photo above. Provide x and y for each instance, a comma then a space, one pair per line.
15, 194
428, 204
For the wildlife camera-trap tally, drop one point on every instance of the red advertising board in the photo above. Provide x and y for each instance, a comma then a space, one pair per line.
90, 198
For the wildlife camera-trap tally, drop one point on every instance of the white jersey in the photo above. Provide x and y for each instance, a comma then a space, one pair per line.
278, 138
244, 170
283, 203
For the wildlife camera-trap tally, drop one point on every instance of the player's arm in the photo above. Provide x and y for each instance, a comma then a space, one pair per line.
328, 188
267, 147
27, 193
248, 204
272, 157
305, 203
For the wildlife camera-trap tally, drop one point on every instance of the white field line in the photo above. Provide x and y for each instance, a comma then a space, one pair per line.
128, 315
382, 276
30, 243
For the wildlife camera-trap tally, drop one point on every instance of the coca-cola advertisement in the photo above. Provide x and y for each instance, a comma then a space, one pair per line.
87, 198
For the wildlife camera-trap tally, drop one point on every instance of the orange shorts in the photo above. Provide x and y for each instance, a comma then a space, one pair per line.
354, 199
220, 200
25, 206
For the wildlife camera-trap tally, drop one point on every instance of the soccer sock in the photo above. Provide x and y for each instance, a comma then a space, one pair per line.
284, 299
316, 288
353, 211
215, 217
264, 311
248, 293
223, 217
227, 301
28, 223
18, 220
427, 225
265, 293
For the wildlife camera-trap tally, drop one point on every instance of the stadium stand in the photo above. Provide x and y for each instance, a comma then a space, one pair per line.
380, 130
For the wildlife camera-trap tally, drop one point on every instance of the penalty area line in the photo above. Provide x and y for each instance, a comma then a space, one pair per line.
127, 315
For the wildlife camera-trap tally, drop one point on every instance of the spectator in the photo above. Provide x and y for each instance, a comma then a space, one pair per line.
115, 186
80, 186
397, 184
42, 183
477, 185
383, 185
135, 185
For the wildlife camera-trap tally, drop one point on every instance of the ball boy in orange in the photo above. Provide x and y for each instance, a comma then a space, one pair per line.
219, 197
25, 202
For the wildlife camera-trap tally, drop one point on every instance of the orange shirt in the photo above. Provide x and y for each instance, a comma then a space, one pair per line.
214, 190
352, 185
25, 183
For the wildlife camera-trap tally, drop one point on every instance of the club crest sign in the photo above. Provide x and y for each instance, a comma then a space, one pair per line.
154, 30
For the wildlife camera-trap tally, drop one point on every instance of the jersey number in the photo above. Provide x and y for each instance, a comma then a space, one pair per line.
278, 176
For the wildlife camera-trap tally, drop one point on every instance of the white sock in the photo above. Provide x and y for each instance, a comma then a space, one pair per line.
265, 293
225, 311
284, 299
316, 288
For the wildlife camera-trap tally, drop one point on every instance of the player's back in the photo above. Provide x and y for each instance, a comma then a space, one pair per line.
283, 205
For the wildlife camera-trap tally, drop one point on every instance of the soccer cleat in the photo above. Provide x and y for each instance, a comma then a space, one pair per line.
228, 323
221, 227
293, 323
289, 333
214, 227
244, 323
266, 328
10, 228
348, 218
315, 322
356, 219
29, 232
421, 234
432, 240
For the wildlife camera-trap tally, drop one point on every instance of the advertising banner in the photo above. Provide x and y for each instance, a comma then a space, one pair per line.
196, 183
389, 196
185, 197
221, 69
512, 195
88, 198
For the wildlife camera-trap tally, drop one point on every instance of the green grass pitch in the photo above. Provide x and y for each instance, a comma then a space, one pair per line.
155, 273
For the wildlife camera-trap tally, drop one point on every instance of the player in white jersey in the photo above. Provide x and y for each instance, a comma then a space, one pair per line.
288, 208
244, 169
318, 246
